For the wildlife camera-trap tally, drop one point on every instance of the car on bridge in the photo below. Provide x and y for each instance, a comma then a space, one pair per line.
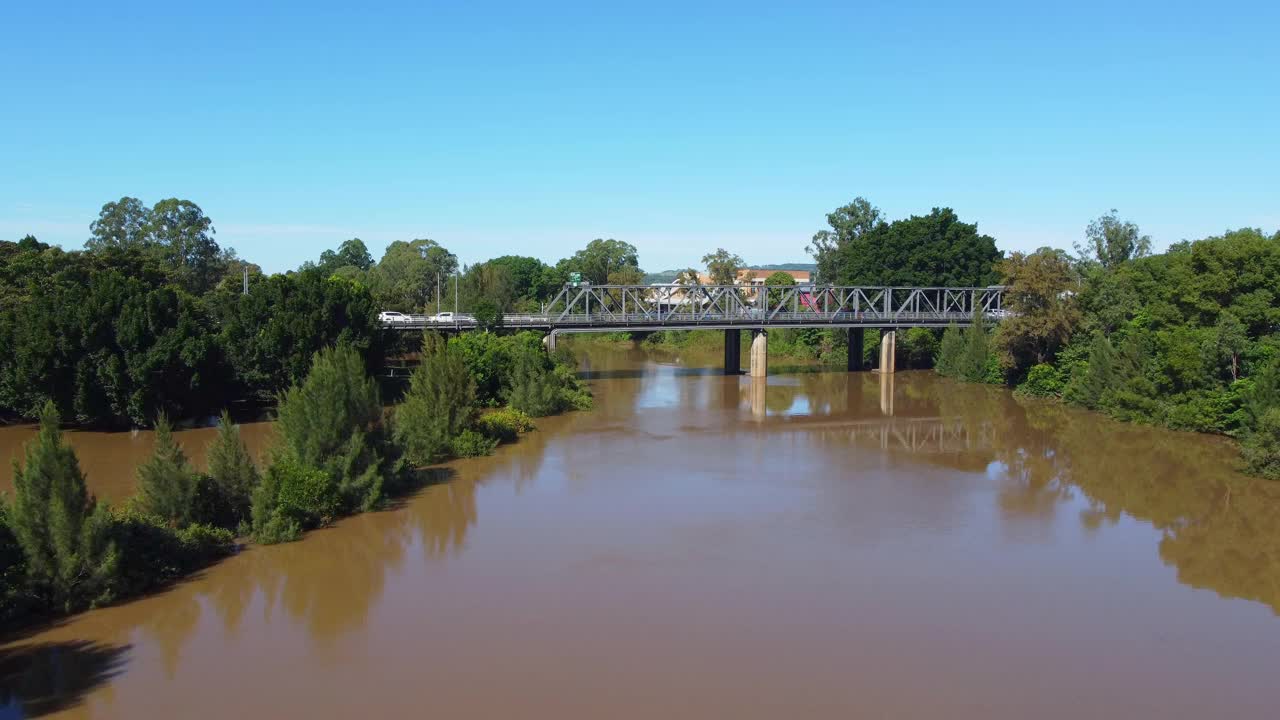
451, 318
391, 317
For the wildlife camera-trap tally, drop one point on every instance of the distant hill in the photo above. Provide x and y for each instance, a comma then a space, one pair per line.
669, 276
811, 267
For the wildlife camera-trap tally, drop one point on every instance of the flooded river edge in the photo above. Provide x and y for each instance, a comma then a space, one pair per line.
816, 545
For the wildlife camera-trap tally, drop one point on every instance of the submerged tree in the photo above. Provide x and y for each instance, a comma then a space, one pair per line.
166, 481
440, 403
231, 472
333, 422
62, 530
535, 390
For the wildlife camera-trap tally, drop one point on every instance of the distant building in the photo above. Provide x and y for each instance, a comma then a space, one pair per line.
757, 277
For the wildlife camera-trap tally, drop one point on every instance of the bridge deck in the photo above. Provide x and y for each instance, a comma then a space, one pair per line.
606, 308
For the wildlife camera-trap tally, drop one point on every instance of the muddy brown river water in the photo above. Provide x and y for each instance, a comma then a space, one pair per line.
826, 545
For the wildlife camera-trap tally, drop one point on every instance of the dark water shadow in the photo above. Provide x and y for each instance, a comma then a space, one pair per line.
422, 479
44, 678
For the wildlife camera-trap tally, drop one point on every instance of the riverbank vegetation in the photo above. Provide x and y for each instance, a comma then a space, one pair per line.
339, 452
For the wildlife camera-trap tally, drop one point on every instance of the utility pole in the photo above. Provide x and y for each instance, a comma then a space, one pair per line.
246, 280
437, 292
456, 320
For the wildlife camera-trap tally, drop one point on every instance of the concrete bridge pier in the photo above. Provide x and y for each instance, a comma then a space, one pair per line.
856, 338
759, 353
888, 351
732, 352
549, 341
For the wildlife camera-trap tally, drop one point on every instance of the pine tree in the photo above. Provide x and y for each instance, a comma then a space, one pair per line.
62, 530
977, 350
1096, 377
166, 481
232, 472
949, 352
535, 390
439, 405
333, 422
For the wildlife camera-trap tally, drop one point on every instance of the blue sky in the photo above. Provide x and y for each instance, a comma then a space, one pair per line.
531, 128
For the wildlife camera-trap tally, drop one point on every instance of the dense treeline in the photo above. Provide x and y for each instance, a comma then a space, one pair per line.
151, 321
1188, 339
339, 452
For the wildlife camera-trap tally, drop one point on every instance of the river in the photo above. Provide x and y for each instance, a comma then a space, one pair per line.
826, 545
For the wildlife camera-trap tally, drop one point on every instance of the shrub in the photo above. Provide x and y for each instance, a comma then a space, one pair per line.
1261, 449
439, 404
63, 532
333, 422
1043, 380
504, 425
292, 497
470, 443
153, 554
166, 481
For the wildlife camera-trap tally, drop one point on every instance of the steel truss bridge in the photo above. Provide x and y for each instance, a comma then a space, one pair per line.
607, 308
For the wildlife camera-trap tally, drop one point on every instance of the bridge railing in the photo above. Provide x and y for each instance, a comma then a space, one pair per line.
605, 306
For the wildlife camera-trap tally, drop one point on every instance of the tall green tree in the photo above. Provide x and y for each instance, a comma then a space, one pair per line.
184, 235
1110, 242
333, 422
1041, 299
351, 253
232, 470
62, 530
125, 223
166, 481
600, 258
439, 405
848, 225
722, 266
924, 250
407, 276
535, 390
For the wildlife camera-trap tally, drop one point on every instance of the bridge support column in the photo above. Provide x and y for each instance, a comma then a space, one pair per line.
549, 342
759, 354
732, 352
888, 351
855, 349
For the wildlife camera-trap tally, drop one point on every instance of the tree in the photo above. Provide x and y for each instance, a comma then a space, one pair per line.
351, 253
951, 349
440, 403
599, 258
688, 277
270, 336
1091, 381
1232, 340
62, 530
1262, 446
232, 471
528, 277
722, 266
1111, 242
125, 223
406, 277
333, 422
166, 481
975, 362
778, 279
848, 224
535, 390
184, 235
1041, 300
924, 250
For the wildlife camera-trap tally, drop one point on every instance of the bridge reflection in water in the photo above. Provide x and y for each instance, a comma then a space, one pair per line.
913, 434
